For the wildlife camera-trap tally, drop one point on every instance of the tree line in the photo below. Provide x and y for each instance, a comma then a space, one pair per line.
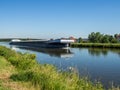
97, 37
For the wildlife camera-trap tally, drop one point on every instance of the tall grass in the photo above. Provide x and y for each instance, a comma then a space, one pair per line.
45, 77
98, 45
3, 88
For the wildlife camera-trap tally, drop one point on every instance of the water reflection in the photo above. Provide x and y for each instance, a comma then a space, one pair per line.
97, 51
14, 48
100, 51
61, 53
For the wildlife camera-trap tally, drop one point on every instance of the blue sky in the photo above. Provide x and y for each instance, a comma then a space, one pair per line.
58, 18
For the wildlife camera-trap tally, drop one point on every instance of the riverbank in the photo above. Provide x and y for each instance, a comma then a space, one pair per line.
96, 45
27, 74
6, 70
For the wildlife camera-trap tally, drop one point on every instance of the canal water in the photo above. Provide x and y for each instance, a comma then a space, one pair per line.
98, 64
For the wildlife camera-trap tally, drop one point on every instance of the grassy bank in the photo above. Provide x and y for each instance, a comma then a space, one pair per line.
6, 71
98, 45
27, 74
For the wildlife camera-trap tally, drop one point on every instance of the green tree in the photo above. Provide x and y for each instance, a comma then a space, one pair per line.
91, 37
116, 35
80, 40
102, 38
105, 39
114, 40
95, 37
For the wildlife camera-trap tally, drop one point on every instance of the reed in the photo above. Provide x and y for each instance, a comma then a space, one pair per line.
98, 45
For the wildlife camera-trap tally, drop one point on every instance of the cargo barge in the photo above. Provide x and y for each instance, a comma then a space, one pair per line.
57, 43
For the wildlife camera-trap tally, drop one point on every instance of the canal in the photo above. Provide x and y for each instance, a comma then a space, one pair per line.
98, 64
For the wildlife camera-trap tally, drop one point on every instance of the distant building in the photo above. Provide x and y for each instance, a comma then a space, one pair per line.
85, 39
72, 38
118, 37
